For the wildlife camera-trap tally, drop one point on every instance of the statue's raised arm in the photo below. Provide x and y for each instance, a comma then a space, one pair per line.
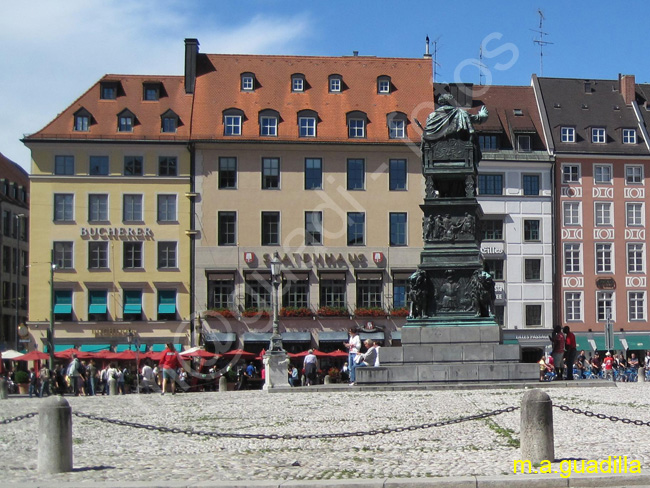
448, 121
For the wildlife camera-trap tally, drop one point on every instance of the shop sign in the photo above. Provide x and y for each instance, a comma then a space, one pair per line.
491, 250
320, 260
377, 257
116, 232
249, 257
111, 332
606, 283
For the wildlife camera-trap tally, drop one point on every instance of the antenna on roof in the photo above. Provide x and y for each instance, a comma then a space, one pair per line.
480, 65
541, 42
435, 58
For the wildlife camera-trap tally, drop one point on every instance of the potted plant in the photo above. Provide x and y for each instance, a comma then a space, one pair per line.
22, 380
218, 312
399, 312
370, 312
333, 312
295, 312
334, 374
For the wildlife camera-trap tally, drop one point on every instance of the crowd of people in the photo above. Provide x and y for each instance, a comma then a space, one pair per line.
565, 363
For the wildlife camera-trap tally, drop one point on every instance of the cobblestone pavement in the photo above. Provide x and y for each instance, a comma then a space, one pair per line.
487, 447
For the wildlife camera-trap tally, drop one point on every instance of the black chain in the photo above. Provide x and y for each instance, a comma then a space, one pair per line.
170, 430
19, 418
601, 416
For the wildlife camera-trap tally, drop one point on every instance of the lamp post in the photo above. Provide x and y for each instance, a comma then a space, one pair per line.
275, 359
609, 333
276, 338
50, 332
18, 221
133, 338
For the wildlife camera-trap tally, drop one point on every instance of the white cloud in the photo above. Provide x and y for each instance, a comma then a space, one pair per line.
54, 51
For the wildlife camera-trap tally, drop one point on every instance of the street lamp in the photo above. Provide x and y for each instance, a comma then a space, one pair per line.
276, 338
133, 338
50, 332
609, 333
18, 221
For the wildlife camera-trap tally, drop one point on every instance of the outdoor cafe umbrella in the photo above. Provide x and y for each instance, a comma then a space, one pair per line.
198, 353
238, 353
67, 354
33, 356
10, 354
337, 354
317, 353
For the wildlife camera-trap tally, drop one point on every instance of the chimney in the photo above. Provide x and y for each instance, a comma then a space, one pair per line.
427, 54
627, 87
191, 52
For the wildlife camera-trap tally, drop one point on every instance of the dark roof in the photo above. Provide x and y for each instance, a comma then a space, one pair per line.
587, 104
14, 174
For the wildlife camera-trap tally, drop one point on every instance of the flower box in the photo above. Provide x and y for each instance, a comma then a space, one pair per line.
370, 312
399, 312
254, 312
295, 312
219, 312
333, 312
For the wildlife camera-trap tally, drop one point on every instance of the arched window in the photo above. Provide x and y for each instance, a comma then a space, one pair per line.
384, 86
357, 122
307, 123
233, 119
269, 120
396, 122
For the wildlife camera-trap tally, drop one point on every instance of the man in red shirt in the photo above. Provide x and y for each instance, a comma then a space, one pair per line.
608, 365
569, 351
168, 365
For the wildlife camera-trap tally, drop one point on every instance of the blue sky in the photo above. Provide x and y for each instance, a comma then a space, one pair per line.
53, 51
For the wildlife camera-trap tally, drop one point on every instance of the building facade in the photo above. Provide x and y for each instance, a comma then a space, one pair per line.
111, 175
14, 256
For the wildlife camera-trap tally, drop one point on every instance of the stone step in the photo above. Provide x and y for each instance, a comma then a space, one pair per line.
449, 353
452, 372
451, 334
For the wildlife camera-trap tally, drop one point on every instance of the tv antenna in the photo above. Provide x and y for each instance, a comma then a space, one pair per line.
541, 42
480, 65
436, 64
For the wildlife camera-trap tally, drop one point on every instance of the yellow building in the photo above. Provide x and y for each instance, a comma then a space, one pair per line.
110, 178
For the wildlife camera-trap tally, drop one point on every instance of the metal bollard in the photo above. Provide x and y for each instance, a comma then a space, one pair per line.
112, 386
223, 384
641, 375
536, 427
55, 436
327, 380
4, 389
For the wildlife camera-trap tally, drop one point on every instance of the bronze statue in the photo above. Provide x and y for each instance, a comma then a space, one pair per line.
483, 293
418, 294
448, 121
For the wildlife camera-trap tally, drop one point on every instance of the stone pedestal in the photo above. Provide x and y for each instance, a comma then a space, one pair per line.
276, 364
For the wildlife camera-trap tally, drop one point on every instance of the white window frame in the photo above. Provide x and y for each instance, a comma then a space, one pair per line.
397, 129
603, 213
269, 126
248, 83
633, 174
605, 305
635, 257
572, 258
356, 128
307, 125
335, 83
636, 305
234, 123
629, 136
573, 306
133, 197
297, 84
383, 85
541, 314
568, 134
107, 198
571, 215
634, 213
598, 135
600, 178
604, 255
571, 173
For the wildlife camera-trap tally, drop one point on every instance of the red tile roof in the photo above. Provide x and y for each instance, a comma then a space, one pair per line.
130, 96
218, 88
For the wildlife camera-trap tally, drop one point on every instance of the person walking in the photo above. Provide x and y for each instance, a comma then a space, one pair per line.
311, 367
558, 340
570, 351
33, 380
354, 346
45, 375
168, 365
74, 373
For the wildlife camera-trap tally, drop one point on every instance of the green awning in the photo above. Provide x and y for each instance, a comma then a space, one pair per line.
587, 343
97, 301
162, 347
132, 301
62, 301
62, 347
166, 301
125, 347
638, 342
94, 347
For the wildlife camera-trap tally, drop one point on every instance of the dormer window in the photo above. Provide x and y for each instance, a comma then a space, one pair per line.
298, 83
568, 134
232, 122
598, 135
269, 123
108, 90
335, 83
383, 85
356, 125
629, 136
396, 125
307, 120
82, 120
523, 143
125, 121
169, 122
151, 92
247, 82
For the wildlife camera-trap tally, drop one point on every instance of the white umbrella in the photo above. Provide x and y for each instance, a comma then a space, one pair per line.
11, 354
189, 351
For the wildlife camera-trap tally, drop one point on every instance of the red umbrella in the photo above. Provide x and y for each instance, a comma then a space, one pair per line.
337, 354
317, 353
154, 356
261, 355
126, 355
67, 354
199, 353
32, 356
238, 353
